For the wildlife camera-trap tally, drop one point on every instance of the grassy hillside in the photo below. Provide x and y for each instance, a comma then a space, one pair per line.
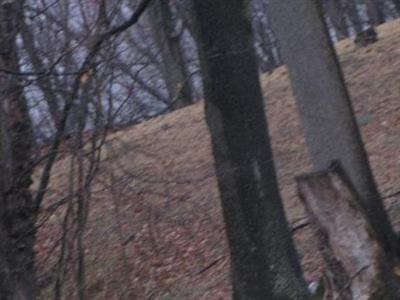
155, 229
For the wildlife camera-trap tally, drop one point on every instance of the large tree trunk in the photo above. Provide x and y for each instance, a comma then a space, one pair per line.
264, 261
175, 73
324, 104
17, 215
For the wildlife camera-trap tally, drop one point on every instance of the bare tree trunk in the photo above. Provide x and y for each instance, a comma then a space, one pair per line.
17, 220
336, 12
264, 38
176, 75
375, 11
43, 82
324, 104
353, 14
264, 261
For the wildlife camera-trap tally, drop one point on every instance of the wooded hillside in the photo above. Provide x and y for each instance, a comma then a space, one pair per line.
155, 227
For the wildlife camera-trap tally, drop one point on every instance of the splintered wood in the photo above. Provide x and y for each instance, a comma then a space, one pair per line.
356, 265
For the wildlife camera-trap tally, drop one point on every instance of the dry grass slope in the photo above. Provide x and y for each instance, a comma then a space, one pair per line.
155, 229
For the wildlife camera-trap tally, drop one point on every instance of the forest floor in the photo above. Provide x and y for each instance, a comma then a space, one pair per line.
155, 229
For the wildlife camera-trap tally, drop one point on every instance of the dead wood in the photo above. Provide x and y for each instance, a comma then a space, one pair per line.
356, 266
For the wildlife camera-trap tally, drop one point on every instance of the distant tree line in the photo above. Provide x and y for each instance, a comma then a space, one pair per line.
160, 56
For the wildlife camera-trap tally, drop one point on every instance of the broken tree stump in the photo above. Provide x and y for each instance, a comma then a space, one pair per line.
356, 266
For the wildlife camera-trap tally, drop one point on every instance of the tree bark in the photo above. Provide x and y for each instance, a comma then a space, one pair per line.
176, 75
361, 270
17, 213
324, 104
264, 261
